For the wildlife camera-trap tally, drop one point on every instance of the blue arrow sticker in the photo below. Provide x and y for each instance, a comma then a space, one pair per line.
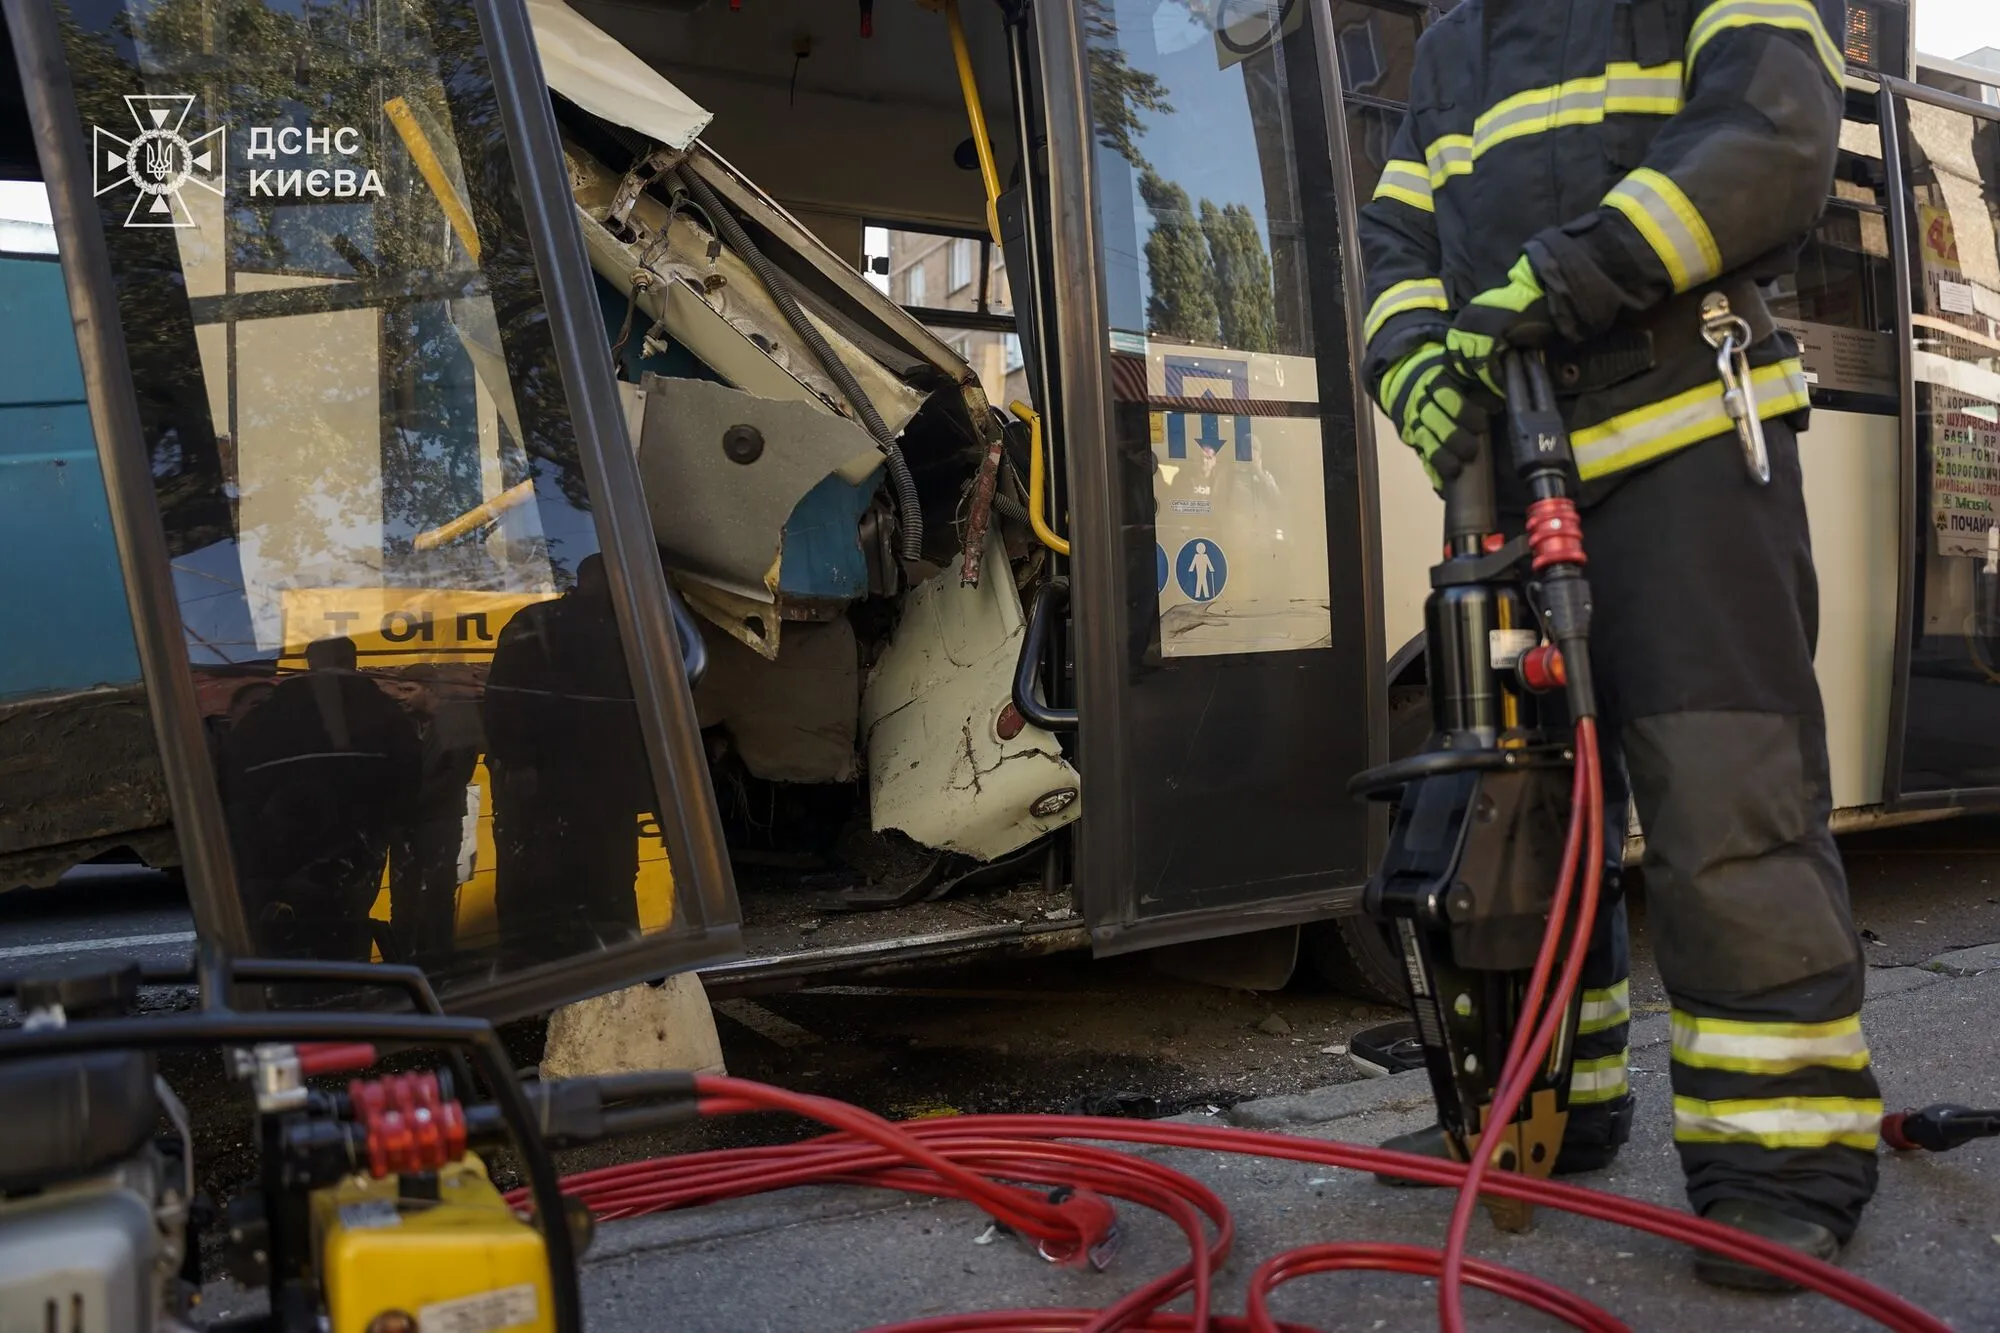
1160, 568
1202, 570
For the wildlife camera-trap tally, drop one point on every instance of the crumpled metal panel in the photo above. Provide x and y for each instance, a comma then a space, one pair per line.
713, 302
938, 769
723, 521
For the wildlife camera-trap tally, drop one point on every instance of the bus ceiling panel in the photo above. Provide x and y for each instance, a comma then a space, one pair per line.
1226, 644
594, 70
334, 326
1945, 714
858, 125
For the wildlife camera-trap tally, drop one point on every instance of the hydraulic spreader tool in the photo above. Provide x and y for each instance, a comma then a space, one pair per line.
1491, 816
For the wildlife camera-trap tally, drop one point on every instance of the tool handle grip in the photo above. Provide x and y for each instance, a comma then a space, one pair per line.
1470, 511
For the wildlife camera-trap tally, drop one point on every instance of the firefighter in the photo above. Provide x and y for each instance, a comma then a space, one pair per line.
1579, 176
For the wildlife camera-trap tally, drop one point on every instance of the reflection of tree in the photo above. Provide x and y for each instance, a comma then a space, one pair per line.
376, 414
1242, 277
1118, 93
1182, 276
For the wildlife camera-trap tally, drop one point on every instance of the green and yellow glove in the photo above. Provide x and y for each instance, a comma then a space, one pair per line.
1437, 412
1499, 319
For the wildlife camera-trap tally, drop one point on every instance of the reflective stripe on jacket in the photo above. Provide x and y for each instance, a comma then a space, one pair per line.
1642, 153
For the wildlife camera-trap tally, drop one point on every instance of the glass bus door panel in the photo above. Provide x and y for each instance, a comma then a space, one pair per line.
1224, 636
387, 553
1948, 740
1840, 304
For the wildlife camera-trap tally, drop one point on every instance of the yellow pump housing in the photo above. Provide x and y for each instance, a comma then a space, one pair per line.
461, 1263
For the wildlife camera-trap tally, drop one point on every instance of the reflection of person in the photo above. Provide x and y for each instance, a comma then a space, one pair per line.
569, 776
317, 777
423, 862
1600, 238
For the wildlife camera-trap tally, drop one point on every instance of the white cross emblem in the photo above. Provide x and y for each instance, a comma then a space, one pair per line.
159, 161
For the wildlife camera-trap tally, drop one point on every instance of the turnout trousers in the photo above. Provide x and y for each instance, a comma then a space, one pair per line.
1704, 626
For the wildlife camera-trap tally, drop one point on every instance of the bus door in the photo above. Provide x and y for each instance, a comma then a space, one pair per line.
1226, 631
401, 617
1944, 734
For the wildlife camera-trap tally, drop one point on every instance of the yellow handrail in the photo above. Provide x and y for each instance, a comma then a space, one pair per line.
976, 113
1038, 482
404, 118
476, 517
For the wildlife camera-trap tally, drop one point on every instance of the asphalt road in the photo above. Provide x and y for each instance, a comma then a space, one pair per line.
1070, 1034
99, 909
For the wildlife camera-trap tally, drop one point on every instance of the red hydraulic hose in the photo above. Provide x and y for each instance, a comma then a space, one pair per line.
1527, 1050
970, 1157
675, 1182
1418, 1261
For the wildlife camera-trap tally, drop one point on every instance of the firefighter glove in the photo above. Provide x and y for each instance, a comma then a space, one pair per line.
1515, 315
1437, 412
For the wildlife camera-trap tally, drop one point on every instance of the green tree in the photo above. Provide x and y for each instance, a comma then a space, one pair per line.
1242, 277
1178, 268
1118, 93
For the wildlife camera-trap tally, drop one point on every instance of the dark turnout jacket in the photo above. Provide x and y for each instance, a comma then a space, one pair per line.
1643, 153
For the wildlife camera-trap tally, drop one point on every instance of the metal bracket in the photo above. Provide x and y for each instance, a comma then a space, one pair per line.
642, 174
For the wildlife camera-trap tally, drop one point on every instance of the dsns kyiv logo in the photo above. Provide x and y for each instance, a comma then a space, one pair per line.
159, 161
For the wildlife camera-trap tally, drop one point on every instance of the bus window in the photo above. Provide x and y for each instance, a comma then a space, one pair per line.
957, 285
1839, 303
1951, 711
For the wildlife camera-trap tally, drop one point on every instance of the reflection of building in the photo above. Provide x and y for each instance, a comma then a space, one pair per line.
1377, 43
932, 273
1975, 76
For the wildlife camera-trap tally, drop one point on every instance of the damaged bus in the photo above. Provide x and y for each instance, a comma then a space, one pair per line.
981, 374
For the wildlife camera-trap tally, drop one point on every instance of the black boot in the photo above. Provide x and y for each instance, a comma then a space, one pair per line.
1760, 1219
1592, 1150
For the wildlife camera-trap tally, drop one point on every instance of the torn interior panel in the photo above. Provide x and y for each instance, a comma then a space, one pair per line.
757, 496
950, 763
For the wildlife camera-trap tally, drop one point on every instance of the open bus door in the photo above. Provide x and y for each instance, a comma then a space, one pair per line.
1226, 622
329, 293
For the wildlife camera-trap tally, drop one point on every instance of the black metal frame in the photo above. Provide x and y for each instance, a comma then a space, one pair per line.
1367, 460
1912, 490
1080, 358
705, 927
217, 1024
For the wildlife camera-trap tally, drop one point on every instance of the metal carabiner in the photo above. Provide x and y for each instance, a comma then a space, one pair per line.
1729, 334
